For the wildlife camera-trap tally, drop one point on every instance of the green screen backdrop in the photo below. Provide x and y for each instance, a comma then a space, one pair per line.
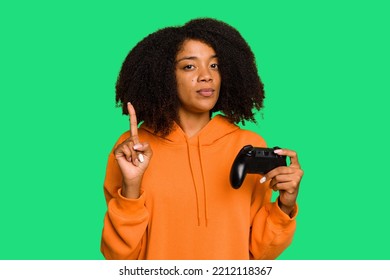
325, 66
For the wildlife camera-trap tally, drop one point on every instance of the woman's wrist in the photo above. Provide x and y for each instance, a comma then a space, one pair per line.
131, 189
286, 209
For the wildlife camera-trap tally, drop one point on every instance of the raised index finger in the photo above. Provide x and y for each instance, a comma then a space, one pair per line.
133, 123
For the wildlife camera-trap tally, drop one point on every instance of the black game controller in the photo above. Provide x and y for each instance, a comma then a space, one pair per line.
254, 160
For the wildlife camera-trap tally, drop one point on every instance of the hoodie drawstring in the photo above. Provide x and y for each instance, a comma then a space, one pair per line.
204, 184
193, 180
199, 185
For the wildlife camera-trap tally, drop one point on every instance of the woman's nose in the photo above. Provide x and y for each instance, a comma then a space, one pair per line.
205, 75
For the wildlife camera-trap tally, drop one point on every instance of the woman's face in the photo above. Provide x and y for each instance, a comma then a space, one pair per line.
198, 77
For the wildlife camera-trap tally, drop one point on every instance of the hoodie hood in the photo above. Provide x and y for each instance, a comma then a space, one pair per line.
217, 128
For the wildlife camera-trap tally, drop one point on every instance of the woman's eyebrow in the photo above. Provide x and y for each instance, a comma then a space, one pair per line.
193, 58
186, 58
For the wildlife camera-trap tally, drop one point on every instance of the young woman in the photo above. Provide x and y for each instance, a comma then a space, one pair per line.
167, 182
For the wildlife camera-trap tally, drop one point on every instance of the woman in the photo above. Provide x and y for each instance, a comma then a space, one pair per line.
167, 183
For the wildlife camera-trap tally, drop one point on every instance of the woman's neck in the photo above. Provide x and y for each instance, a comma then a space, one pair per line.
191, 124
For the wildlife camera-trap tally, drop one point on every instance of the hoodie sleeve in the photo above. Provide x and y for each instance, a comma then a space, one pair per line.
126, 220
272, 230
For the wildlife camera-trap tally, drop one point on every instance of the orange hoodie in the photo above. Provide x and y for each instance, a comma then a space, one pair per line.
187, 208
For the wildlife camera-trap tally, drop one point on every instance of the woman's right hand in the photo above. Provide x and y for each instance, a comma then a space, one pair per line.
133, 158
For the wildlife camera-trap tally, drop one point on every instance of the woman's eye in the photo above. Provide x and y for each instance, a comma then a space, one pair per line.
214, 66
189, 67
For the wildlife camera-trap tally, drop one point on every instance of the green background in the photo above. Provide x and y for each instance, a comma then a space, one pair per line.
325, 65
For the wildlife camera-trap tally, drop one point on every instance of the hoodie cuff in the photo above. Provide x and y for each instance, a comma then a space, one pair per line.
279, 218
129, 207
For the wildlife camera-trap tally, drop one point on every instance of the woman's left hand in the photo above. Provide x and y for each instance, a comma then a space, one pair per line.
286, 180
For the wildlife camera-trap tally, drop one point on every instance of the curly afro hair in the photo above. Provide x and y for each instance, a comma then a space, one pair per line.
147, 77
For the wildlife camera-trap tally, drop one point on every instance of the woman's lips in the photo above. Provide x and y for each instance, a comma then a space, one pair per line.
205, 92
